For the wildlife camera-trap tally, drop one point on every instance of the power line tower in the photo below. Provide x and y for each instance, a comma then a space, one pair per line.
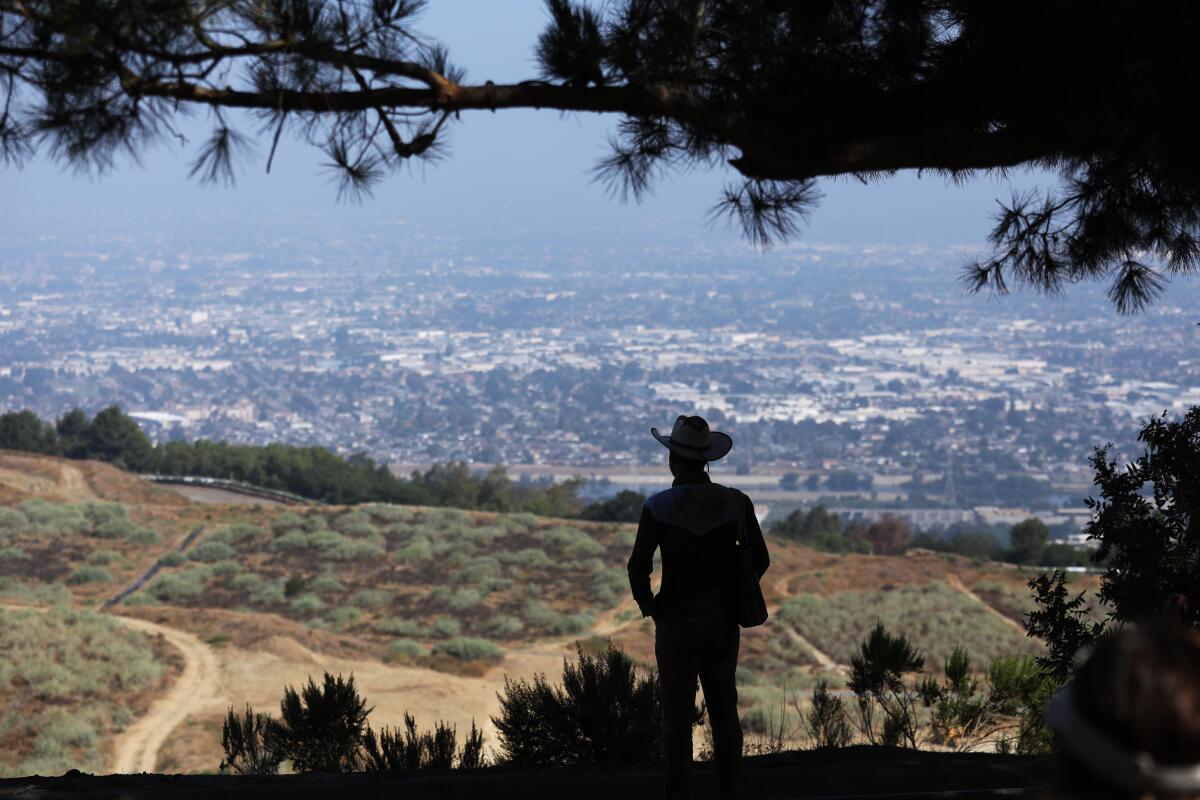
949, 490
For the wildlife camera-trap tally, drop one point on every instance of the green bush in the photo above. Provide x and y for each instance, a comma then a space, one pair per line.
12, 522
445, 627
246, 583
370, 598
467, 648
388, 513
114, 529
307, 604
571, 541
142, 536
208, 552
238, 533
52, 519
355, 550
540, 616
251, 744
90, 573
289, 542
103, 557
398, 627
528, 558
574, 623
100, 513
326, 540
479, 571
13, 554
503, 626
343, 617
326, 583
418, 549
268, 593
463, 599
287, 521
404, 650
177, 586
355, 524
228, 568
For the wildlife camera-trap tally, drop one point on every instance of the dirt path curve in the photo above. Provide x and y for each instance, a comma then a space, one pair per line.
822, 658
956, 583
136, 750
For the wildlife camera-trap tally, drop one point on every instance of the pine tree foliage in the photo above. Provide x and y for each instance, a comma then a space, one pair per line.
251, 743
779, 93
321, 727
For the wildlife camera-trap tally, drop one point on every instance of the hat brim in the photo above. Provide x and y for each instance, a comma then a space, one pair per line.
718, 445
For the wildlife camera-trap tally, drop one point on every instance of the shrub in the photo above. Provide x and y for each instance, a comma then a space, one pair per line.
574, 623
321, 727
571, 541
13, 554
388, 513
538, 615
356, 524
246, 582
604, 713
52, 519
326, 583
355, 550
100, 513
307, 604
877, 678
114, 529
463, 599
89, 573
251, 744
404, 649
12, 522
290, 542
446, 627
503, 626
325, 540
370, 598
826, 722
178, 586
227, 568
418, 549
343, 617
397, 627
142, 536
528, 558
238, 533
287, 521
467, 648
209, 552
397, 751
103, 557
478, 571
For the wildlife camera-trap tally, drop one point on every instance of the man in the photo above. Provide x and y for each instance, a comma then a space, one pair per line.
698, 525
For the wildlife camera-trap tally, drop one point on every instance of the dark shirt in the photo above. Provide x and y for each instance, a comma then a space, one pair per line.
695, 522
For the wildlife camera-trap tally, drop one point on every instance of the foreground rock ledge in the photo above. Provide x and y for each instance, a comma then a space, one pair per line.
846, 773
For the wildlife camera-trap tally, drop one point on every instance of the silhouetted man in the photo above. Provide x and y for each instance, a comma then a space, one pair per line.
697, 524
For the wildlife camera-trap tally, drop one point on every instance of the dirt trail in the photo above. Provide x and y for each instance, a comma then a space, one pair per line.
822, 658
956, 583
136, 750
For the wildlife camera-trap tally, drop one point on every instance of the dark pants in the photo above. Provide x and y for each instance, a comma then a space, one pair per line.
704, 647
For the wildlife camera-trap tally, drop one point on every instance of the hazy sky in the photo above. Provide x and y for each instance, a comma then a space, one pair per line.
523, 170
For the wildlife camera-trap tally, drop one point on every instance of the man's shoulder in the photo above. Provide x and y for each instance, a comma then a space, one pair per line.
661, 503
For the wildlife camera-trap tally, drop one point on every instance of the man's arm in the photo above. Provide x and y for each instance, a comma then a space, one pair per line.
754, 538
641, 562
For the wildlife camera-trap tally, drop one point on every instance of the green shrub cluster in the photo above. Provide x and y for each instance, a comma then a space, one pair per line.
467, 648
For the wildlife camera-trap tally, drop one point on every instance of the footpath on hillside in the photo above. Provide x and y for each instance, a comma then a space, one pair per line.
854, 772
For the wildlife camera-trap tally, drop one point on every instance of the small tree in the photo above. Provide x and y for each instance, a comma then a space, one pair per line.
604, 713
1028, 539
251, 744
321, 727
877, 673
826, 721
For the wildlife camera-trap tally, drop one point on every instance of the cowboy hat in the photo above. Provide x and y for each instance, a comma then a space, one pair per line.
691, 438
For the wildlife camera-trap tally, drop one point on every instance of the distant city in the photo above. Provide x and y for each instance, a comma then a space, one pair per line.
852, 369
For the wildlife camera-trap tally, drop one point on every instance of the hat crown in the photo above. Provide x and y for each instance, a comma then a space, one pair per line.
690, 432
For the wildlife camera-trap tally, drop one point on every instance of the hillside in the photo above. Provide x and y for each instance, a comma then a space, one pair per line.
430, 608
